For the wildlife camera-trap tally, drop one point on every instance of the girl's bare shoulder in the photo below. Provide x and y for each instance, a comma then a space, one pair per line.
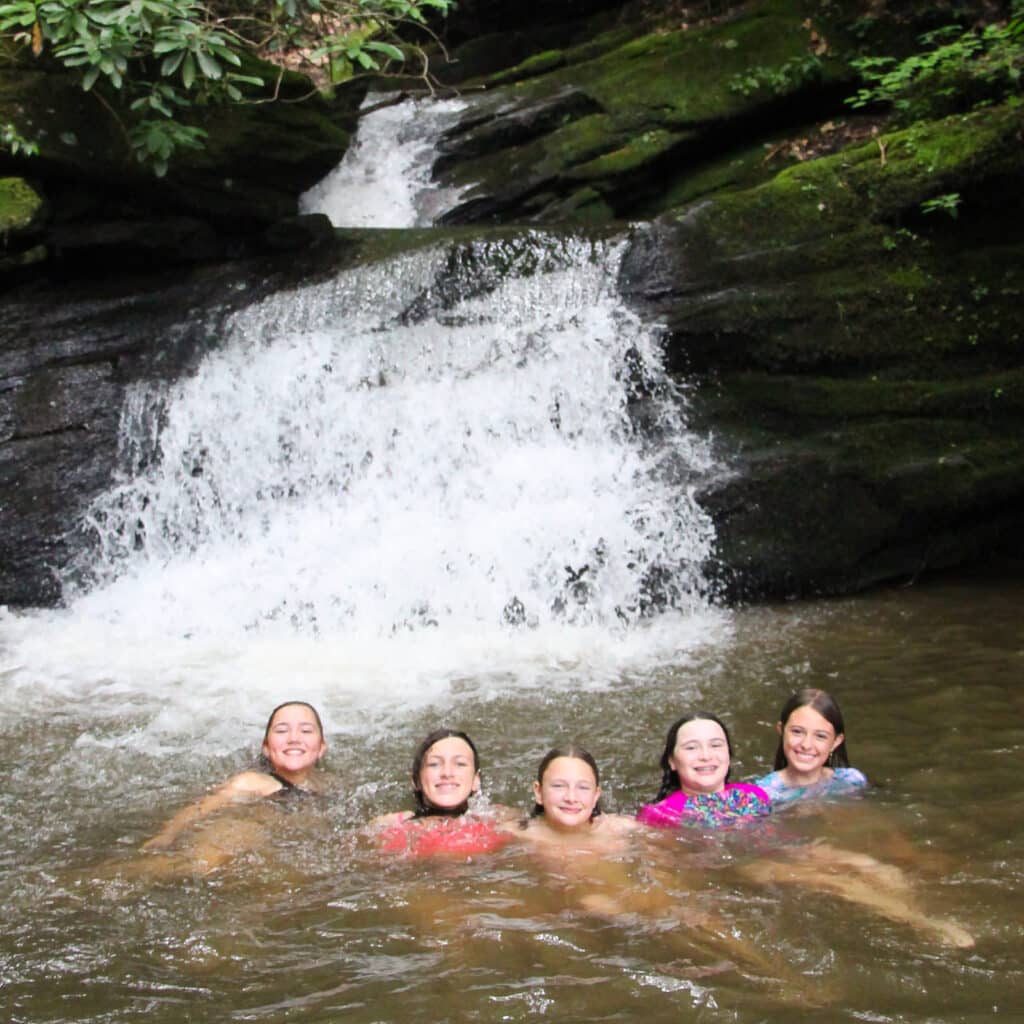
250, 784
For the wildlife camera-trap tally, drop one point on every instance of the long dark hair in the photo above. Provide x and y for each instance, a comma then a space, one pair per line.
570, 751
424, 809
669, 776
826, 706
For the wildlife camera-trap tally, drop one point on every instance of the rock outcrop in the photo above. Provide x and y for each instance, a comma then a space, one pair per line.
858, 360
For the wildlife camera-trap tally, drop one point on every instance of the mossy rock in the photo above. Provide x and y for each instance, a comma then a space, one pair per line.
75, 133
258, 157
656, 109
833, 267
859, 361
22, 210
884, 181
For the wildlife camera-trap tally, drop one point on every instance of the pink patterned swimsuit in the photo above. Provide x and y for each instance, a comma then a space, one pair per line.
737, 802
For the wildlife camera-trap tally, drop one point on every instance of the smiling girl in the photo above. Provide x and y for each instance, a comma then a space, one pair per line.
695, 787
293, 743
567, 804
445, 780
811, 759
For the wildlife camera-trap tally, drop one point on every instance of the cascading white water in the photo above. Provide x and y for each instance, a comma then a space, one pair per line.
420, 475
384, 179
331, 470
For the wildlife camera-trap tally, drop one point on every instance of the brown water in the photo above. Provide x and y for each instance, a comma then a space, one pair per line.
316, 926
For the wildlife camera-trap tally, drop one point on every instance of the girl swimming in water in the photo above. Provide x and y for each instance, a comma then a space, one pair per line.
591, 860
567, 805
293, 743
696, 764
445, 781
695, 787
811, 759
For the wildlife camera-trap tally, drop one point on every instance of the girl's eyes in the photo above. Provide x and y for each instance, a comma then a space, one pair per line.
798, 733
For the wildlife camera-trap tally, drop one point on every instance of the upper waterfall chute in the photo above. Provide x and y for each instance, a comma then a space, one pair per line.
384, 179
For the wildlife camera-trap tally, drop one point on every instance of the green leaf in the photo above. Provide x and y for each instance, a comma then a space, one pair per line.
209, 65
386, 48
171, 63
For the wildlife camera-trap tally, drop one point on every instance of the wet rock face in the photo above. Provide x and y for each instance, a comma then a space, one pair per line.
67, 353
858, 365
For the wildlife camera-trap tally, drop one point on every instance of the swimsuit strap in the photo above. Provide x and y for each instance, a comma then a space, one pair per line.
285, 784
440, 812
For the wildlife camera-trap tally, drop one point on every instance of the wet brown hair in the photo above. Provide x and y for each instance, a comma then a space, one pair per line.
425, 809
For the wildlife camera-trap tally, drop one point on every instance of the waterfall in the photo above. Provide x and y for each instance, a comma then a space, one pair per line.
420, 472
384, 179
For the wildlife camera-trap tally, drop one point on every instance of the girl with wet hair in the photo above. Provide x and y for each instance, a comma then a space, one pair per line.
434, 798
445, 780
293, 744
567, 803
695, 787
811, 760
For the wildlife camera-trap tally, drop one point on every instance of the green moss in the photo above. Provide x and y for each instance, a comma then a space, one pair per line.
911, 279
21, 207
685, 77
640, 150
880, 181
539, 64
680, 78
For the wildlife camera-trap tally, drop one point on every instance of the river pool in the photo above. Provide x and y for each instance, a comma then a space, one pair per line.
314, 924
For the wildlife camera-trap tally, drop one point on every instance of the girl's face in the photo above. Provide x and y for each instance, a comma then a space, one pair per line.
700, 757
448, 775
808, 739
568, 792
293, 743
